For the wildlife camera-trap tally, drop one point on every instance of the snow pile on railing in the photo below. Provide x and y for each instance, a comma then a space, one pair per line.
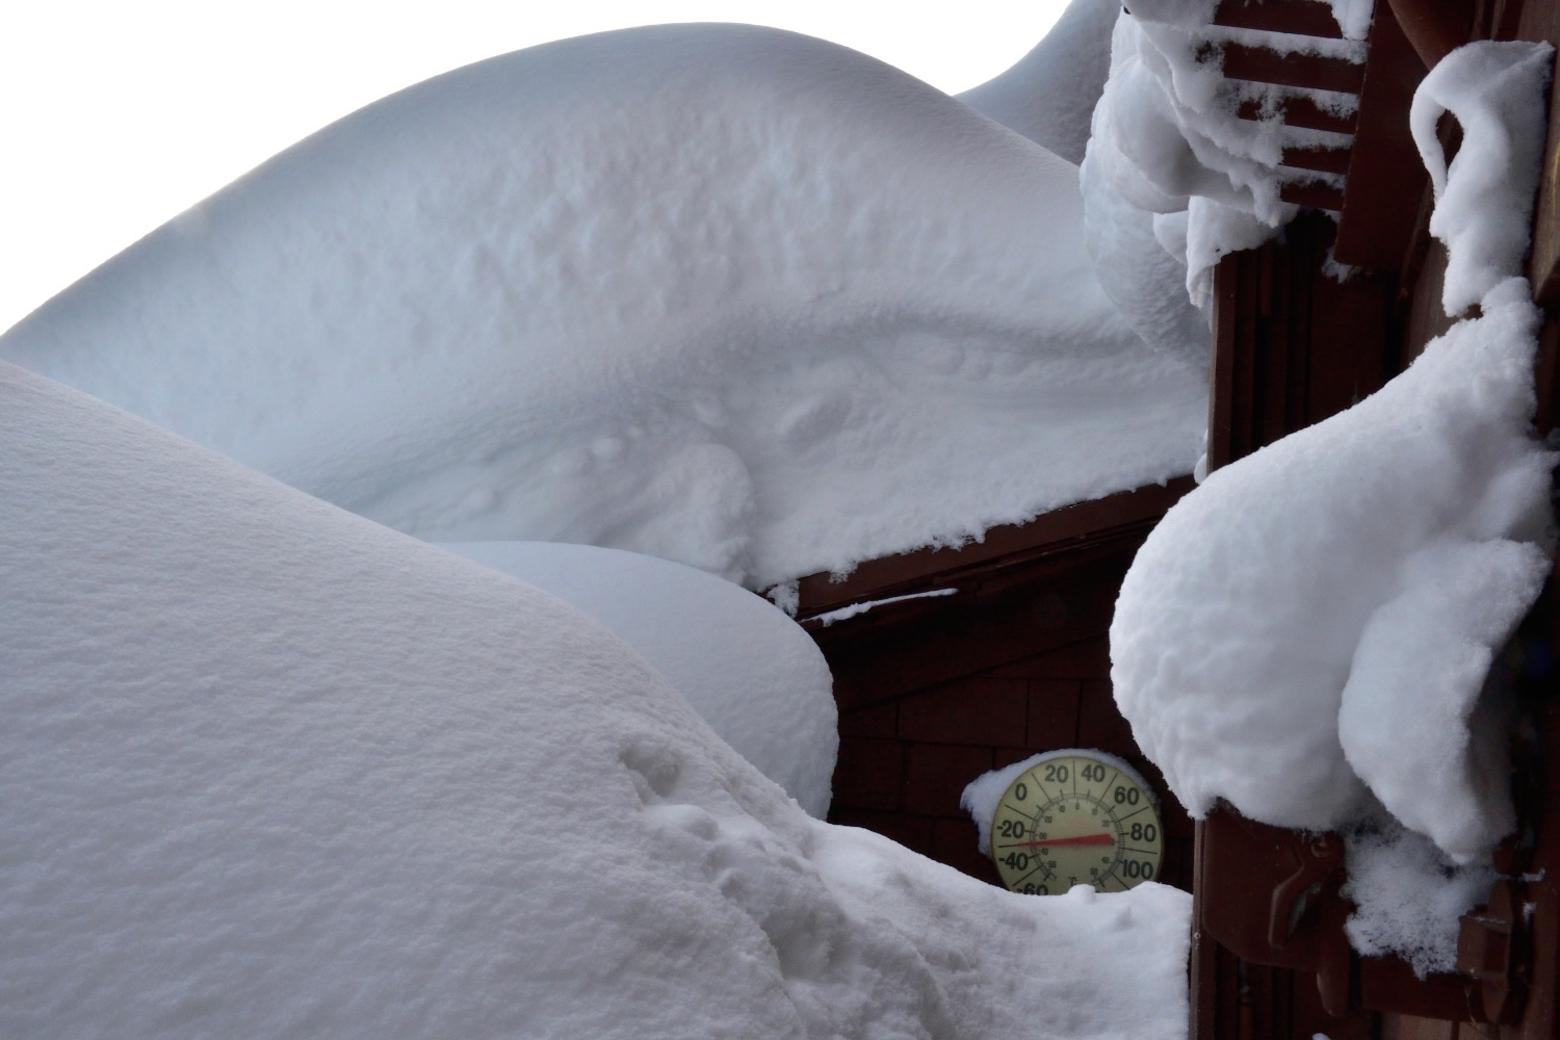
749, 671
1171, 163
269, 769
1483, 199
725, 295
1307, 635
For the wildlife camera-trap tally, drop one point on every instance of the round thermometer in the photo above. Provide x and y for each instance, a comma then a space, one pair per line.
1076, 818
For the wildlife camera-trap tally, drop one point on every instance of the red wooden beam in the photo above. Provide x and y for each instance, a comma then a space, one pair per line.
1069, 528
1434, 27
1541, 21
1302, 17
1386, 177
1303, 112
1291, 70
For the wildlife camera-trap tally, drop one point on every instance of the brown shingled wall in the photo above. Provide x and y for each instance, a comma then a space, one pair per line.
935, 692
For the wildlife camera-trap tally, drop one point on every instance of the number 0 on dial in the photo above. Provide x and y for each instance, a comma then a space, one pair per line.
1076, 819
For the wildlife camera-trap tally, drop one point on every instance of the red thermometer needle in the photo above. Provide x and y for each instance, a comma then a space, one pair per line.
1081, 839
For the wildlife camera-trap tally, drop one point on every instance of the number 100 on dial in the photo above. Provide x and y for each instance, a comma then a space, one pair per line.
1076, 819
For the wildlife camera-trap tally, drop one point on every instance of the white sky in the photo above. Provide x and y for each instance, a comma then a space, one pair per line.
117, 115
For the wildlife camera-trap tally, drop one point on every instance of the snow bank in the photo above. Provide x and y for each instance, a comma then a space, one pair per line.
724, 295
269, 769
1050, 93
743, 665
1484, 199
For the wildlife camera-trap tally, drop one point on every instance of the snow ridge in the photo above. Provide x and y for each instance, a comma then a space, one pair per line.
717, 294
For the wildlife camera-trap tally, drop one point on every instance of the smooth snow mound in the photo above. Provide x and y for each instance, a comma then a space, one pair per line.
1050, 93
720, 294
749, 671
269, 769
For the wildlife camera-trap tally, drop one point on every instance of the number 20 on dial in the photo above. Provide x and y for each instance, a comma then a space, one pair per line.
1076, 819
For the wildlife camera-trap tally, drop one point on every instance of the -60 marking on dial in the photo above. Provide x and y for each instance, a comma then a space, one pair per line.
1075, 818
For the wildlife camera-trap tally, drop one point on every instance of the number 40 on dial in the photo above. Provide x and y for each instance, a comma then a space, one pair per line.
1075, 818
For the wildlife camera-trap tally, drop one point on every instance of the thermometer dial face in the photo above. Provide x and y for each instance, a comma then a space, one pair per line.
1076, 819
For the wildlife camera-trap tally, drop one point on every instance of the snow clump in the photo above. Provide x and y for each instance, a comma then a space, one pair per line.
1408, 898
1496, 91
270, 769
1310, 579
749, 671
720, 294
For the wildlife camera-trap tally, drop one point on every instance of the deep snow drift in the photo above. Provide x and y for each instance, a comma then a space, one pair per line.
269, 769
747, 669
725, 295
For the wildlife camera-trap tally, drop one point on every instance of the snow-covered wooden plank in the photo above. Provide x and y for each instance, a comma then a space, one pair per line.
1302, 111
1313, 71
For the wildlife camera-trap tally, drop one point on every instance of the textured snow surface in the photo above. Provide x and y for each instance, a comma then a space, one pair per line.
1408, 897
1050, 93
724, 295
1484, 198
1141, 258
269, 769
744, 666
982, 794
